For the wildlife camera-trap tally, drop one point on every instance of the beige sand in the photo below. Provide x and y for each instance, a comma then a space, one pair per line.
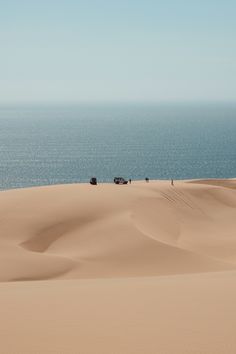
142, 268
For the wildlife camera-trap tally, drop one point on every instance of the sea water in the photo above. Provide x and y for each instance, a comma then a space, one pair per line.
43, 145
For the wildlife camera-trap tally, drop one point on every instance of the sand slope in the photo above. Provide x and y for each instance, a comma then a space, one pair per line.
167, 315
142, 268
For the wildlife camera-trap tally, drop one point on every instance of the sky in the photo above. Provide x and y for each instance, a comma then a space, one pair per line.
109, 50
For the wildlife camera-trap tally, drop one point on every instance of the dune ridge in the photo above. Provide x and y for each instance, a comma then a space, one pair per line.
80, 231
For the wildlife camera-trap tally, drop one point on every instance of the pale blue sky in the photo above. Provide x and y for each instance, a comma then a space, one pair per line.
126, 50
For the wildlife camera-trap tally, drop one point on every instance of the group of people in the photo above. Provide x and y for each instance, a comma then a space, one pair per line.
146, 179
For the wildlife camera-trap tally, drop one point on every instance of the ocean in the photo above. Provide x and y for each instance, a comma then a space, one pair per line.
44, 145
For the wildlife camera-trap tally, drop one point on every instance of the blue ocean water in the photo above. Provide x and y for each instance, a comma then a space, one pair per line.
42, 145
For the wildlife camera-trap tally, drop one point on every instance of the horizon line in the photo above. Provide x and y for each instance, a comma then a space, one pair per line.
113, 102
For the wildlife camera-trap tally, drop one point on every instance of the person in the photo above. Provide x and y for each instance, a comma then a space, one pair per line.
172, 182
147, 179
130, 181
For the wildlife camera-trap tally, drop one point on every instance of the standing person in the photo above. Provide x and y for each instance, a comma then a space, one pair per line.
147, 179
172, 182
130, 181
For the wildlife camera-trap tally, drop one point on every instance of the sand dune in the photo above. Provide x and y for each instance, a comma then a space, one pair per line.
142, 268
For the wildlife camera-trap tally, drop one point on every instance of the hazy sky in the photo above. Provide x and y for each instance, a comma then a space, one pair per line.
117, 50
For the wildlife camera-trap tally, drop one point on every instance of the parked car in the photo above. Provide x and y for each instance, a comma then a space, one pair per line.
93, 181
120, 180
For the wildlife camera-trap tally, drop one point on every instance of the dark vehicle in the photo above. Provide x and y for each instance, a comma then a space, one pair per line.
120, 180
93, 181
